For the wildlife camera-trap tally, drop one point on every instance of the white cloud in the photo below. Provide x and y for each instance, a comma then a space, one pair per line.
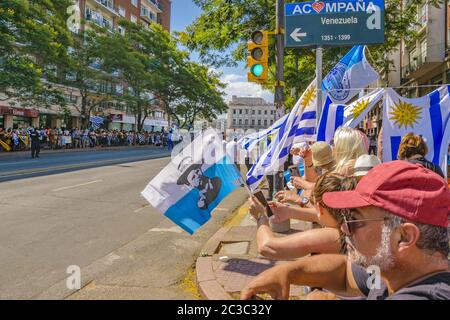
237, 85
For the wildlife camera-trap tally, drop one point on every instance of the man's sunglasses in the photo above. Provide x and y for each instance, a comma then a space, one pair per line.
350, 224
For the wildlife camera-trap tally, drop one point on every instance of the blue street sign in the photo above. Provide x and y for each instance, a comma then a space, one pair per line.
334, 23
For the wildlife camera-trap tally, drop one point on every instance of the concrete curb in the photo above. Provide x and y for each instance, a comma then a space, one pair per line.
210, 288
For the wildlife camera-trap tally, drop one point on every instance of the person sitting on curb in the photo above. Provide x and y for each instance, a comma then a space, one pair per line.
323, 240
397, 224
414, 149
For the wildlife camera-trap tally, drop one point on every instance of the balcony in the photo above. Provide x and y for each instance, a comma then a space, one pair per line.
98, 18
155, 5
148, 15
108, 5
418, 67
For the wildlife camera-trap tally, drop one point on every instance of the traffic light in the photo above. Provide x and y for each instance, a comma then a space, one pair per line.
258, 57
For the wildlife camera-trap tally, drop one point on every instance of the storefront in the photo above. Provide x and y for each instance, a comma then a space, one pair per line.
2, 121
127, 123
17, 117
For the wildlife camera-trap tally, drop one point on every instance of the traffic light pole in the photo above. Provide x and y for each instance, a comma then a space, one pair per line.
319, 53
279, 88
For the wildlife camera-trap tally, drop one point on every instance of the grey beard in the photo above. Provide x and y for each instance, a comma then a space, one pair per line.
383, 257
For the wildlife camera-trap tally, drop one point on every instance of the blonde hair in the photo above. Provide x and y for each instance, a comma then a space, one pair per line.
348, 146
411, 145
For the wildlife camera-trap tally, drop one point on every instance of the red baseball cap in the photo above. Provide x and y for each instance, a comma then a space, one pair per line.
404, 189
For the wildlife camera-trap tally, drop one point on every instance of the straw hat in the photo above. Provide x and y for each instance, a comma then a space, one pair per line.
321, 154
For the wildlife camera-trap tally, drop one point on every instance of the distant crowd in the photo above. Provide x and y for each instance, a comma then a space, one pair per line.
64, 138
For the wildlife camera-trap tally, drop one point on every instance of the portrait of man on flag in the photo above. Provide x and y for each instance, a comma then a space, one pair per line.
192, 175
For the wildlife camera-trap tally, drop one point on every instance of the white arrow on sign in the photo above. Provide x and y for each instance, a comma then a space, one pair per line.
296, 34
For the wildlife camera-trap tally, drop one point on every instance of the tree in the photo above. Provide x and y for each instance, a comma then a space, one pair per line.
83, 73
33, 37
228, 24
135, 59
200, 99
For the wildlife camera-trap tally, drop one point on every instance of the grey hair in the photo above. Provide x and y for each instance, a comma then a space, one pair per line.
432, 238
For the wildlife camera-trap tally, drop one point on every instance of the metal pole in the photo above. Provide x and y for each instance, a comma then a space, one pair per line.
279, 89
319, 53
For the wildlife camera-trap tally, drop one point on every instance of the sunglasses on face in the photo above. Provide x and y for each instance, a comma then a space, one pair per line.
350, 224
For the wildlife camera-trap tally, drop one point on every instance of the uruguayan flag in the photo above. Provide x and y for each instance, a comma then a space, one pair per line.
96, 122
251, 140
298, 124
336, 115
195, 181
352, 73
427, 116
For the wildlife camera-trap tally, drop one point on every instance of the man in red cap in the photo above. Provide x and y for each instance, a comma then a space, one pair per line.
395, 222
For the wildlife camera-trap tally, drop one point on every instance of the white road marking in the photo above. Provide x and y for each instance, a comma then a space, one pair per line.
78, 185
141, 208
171, 229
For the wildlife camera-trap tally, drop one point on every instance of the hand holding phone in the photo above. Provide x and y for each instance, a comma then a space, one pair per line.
260, 196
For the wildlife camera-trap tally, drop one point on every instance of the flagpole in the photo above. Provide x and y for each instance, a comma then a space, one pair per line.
319, 54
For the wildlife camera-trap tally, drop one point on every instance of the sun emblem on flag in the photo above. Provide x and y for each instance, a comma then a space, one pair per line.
405, 114
310, 94
360, 106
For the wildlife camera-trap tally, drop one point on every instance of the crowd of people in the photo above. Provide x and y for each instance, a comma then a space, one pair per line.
64, 138
382, 227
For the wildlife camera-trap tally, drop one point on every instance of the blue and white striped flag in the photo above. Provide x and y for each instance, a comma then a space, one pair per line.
336, 115
427, 116
96, 122
250, 141
350, 75
297, 125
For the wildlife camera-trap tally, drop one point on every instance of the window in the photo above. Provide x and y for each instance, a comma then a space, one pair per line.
240, 121
423, 15
240, 111
265, 122
271, 112
246, 122
265, 112
253, 122
135, 3
234, 111
122, 11
253, 111
271, 121
259, 111
133, 18
234, 122
246, 111
423, 49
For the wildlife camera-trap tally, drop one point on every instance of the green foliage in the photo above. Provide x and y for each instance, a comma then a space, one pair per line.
228, 24
33, 34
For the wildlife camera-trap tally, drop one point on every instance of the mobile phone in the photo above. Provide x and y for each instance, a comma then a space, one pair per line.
294, 171
260, 196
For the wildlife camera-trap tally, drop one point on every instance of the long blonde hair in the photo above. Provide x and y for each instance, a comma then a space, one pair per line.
348, 146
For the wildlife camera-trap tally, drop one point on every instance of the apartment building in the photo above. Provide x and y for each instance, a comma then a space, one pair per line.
421, 65
106, 13
246, 113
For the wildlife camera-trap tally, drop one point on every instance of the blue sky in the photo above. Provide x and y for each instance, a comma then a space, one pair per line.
184, 13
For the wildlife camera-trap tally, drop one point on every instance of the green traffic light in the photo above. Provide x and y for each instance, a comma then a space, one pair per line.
257, 70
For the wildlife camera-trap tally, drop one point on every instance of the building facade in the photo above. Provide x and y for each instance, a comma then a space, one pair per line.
245, 113
419, 66
106, 13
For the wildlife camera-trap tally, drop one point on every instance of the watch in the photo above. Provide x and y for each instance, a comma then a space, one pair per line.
304, 201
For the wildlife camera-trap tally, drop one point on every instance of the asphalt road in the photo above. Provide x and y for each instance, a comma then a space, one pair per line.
21, 165
96, 219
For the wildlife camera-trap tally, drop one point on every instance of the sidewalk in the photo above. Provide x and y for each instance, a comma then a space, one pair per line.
230, 259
